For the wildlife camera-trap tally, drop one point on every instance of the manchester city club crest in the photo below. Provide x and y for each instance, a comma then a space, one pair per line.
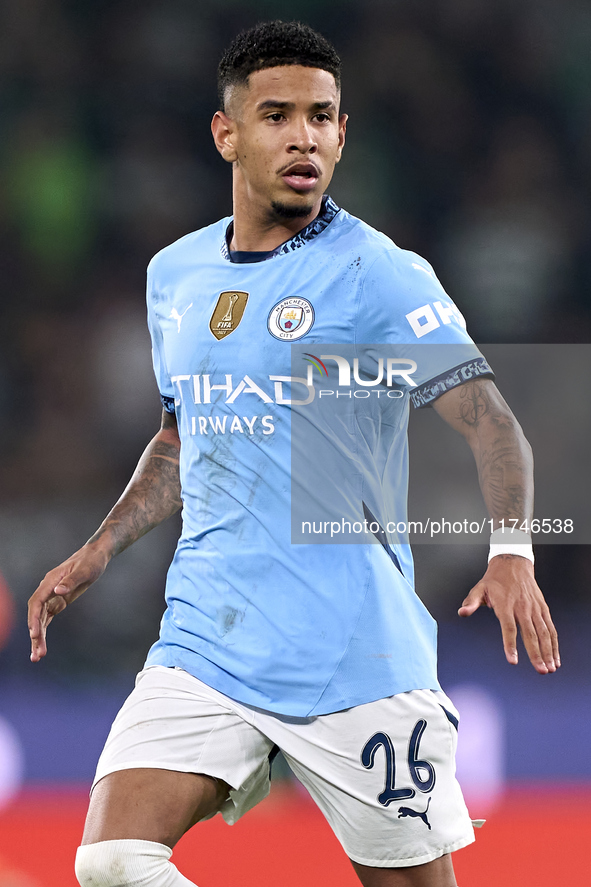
291, 319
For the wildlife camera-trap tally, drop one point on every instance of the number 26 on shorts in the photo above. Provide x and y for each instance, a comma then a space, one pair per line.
422, 772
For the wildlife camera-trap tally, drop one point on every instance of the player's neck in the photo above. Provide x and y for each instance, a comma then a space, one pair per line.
257, 229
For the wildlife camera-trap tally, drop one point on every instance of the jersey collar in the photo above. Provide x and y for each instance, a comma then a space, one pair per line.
328, 211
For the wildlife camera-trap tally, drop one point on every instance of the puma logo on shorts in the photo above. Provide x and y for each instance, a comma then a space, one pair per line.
407, 811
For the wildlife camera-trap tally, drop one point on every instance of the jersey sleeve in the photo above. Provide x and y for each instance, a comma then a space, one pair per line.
163, 381
403, 304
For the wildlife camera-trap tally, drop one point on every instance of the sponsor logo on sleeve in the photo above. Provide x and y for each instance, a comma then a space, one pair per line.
424, 320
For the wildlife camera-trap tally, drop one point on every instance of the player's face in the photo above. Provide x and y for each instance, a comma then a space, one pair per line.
284, 138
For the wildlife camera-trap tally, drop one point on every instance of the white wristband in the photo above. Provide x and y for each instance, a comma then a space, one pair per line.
505, 540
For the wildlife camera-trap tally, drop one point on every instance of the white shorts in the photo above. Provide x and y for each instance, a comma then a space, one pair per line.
382, 773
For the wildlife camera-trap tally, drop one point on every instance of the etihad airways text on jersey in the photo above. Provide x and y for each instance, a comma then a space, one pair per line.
199, 387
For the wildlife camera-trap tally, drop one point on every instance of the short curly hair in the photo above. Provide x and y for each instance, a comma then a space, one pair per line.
271, 45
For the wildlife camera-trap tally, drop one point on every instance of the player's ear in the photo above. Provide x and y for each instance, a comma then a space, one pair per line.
223, 130
342, 130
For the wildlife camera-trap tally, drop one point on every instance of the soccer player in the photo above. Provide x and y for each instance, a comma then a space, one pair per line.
324, 652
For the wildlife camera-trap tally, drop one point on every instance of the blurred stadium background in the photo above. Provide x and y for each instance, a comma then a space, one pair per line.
469, 142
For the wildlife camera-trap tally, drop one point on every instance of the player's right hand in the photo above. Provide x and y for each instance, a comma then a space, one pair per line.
59, 588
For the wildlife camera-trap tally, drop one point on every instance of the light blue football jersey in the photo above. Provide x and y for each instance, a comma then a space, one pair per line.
297, 629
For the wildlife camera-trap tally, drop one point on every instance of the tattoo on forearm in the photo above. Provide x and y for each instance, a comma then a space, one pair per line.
505, 465
152, 495
473, 404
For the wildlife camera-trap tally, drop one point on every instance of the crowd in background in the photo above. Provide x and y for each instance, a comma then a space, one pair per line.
469, 142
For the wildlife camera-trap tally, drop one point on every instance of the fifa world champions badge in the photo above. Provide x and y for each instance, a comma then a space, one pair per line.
227, 313
291, 319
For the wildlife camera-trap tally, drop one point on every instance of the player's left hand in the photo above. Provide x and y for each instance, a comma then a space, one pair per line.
510, 589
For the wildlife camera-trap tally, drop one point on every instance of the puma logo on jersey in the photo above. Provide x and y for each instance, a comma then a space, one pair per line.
174, 315
408, 811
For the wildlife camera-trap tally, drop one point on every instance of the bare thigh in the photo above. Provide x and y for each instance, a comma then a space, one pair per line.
150, 805
438, 873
